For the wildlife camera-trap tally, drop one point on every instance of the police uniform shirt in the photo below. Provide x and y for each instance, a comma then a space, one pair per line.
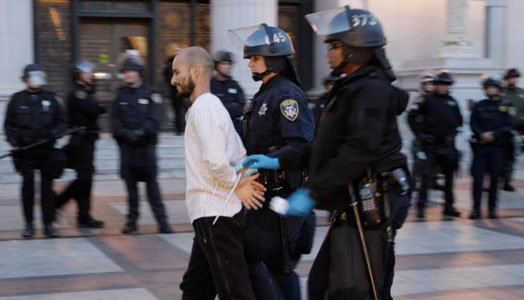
439, 115
492, 115
515, 95
231, 95
279, 116
213, 149
32, 117
83, 108
136, 108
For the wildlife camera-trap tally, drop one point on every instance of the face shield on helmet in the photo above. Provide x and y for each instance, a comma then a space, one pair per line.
492, 84
36, 79
329, 22
83, 72
34, 76
359, 32
272, 43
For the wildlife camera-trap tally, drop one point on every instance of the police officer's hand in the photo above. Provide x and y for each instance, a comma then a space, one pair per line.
299, 204
250, 192
259, 161
487, 137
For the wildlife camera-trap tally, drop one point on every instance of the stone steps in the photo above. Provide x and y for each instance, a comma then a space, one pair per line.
170, 153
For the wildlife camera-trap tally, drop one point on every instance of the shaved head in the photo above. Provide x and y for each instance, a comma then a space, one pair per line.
196, 57
192, 70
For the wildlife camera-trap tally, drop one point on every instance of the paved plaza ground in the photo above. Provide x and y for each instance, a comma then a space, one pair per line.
437, 259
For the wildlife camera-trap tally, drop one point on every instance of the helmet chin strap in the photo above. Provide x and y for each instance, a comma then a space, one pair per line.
259, 76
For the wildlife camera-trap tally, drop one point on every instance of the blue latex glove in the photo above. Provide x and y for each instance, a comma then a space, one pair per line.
300, 203
259, 161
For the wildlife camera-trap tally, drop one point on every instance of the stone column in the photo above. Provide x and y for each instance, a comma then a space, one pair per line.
456, 43
495, 30
16, 47
229, 14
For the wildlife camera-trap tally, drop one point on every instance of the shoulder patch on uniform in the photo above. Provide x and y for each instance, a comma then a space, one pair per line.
512, 111
420, 99
81, 95
157, 98
503, 108
289, 109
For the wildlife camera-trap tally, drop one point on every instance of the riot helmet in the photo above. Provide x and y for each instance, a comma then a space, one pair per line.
359, 32
132, 63
272, 43
491, 80
83, 67
34, 76
512, 73
220, 58
444, 77
223, 56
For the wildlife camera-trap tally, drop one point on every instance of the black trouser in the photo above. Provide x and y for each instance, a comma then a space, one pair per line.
486, 158
148, 175
30, 161
82, 154
345, 277
429, 167
217, 264
179, 109
262, 239
509, 158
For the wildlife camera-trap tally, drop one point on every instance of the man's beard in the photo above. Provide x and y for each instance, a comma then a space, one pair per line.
187, 90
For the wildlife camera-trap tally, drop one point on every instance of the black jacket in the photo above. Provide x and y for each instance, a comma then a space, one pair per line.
135, 119
32, 117
83, 109
231, 95
435, 117
492, 115
357, 130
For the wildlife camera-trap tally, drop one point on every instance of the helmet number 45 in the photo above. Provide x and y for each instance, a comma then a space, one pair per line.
279, 37
363, 20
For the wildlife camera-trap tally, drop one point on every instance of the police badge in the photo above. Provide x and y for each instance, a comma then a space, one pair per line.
289, 109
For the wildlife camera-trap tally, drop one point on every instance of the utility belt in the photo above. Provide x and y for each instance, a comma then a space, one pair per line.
277, 179
372, 199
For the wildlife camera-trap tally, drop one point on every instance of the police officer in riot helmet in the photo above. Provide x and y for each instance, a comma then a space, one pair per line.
515, 95
83, 110
135, 119
34, 115
435, 121
427, 87
357, 145
491, 122
277, 120
227, 89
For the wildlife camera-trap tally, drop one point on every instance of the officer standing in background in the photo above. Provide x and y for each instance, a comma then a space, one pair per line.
178, 102
227, 89
135, 118
83, 111
515, 95
357, 146
435, 120
427, 87
277, 120
491, 123
35, 115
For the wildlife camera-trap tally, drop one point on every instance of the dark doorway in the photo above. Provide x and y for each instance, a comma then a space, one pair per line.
104, 42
